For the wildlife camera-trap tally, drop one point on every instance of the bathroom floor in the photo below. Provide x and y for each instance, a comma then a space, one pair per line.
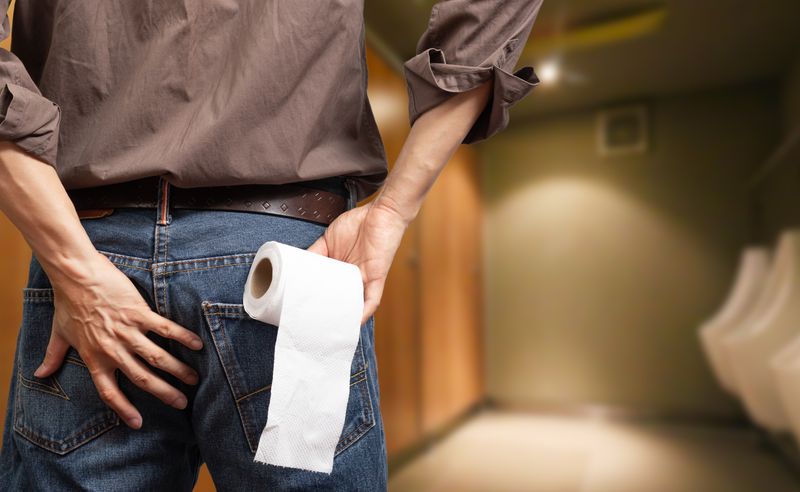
499, 452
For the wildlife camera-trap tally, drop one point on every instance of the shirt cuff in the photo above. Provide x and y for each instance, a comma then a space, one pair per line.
30, 120
430, 81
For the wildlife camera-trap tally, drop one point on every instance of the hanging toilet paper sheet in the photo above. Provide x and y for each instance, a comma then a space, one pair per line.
316, 302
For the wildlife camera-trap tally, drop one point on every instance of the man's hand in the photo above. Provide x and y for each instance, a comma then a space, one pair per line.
368, 237
98, 310
105, 318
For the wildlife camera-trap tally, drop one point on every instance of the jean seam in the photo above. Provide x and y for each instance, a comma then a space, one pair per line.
75, 361
136, 258
106, 421
166, 242
361, 430
129, 266
37, 386
119, 260
60, 388
155, 267
168, 273
166, 266
164, 281
175, 262
232, 314
48, 444
210, 315
361, 371
32, 295
236, 383
259, 390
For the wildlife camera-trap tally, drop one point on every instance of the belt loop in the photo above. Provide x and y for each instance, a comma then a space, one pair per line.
164, 216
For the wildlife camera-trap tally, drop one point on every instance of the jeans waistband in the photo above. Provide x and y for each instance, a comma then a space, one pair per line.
291, 199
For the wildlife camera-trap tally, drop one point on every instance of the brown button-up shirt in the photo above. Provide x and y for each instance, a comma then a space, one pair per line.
220, 92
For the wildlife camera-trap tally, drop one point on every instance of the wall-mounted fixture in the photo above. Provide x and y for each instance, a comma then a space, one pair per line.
623, 130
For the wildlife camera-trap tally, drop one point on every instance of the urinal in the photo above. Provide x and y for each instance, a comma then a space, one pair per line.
748, 284
786, 371
771, 287
764, 333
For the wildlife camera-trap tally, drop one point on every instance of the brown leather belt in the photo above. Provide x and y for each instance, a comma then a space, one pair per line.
318, 201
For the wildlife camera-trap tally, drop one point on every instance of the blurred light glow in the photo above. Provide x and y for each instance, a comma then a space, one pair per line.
549, 72
388, 109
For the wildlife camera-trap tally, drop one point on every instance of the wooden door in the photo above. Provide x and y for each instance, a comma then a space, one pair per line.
14, 260
450, 293
397, 325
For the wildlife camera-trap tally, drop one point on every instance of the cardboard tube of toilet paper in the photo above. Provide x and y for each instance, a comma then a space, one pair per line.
316, 302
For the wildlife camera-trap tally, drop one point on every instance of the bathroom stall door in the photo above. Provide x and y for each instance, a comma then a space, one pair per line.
397, 319
428, 328
14, 259
451, 293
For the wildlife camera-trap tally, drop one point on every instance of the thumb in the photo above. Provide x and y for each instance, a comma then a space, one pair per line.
320, 246
56, 350
373, 292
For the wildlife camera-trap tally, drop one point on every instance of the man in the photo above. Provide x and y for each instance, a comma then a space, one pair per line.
148, 149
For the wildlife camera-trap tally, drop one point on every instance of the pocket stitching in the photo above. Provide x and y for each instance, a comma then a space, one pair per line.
215, 320
56, 390
248, 395
357, 433
61, 447
103, 422
215, 312
76, 361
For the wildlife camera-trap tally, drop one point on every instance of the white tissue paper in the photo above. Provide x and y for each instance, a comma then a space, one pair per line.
316, 302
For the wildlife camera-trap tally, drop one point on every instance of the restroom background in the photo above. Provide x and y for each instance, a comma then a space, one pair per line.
599, 268
776, 199
544, 275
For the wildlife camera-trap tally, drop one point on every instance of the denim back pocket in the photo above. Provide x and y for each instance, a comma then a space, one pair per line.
62, 411
246, 349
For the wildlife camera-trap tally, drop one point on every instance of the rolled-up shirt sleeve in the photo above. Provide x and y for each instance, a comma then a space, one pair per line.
27, 118
467, 43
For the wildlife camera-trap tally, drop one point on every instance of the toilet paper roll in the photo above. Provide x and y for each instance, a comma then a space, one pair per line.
316, 302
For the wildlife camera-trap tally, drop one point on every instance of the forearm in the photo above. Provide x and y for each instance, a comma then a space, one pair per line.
432, 141
35, 201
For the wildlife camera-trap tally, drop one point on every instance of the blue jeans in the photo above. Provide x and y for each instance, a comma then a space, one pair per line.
59, 434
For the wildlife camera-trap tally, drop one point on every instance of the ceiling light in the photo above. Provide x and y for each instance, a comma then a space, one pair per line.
549, 73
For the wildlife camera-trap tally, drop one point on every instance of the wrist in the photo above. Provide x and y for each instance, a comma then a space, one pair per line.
66, 269
404, 213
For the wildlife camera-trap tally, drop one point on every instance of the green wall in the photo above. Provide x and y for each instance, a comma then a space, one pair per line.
791, 98
778, 194
599, 269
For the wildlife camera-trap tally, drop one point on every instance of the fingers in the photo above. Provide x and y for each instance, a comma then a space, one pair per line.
109, 392
372, 298
160, 358
144, 378
138, 373
54, 357
320, 246
169, 329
